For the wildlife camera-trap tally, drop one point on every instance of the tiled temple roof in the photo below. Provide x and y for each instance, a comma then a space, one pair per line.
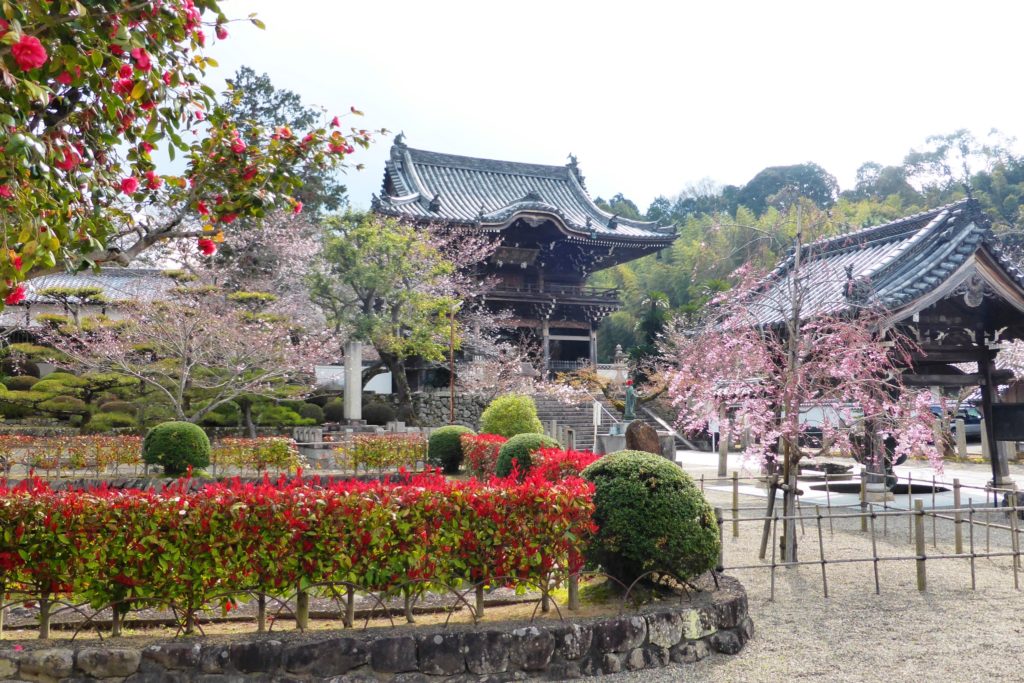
889, 266
446, 188
118, 284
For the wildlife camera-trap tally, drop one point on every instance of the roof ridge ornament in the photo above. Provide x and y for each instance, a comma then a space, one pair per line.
532, 196
574, 166
435, 203
613, 222
400, 140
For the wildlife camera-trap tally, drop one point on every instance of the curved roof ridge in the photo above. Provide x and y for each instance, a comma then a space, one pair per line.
886, 231
423, 156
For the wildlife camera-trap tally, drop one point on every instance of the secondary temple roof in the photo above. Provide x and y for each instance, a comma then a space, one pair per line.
489, 194
902, 267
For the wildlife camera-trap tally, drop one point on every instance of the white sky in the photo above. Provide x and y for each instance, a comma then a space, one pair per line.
649, 95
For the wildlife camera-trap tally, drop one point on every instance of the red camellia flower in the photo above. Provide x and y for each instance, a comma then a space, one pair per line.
70, 160
6, 192
64, 78
222, 32
116, 50
29, 53
141, 57
153, 181
237, 146
250, 173
206, 246
167, 77
145, 147
125, 71
16, 296
16, 262
228, 218
130, 185
202, 208
297, 208
123, 86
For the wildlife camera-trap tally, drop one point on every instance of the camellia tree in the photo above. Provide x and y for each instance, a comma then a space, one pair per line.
846, 365
90, 92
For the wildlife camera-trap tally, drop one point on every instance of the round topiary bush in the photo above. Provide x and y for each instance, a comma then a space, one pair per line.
378, 413
20, 382
64, 406
334, 410
651, 517
312, 411
175, 446
444, 448
511, 415
520, 449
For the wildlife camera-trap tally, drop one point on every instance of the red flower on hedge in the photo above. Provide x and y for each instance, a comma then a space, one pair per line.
130, 185
207, 246
16, 296
29, 53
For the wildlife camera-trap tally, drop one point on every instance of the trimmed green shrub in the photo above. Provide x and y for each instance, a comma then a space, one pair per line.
511, 415
520, 449
118, 406
64, 406
334, 410
175, 446
311, 411
651, 517
444, 448
378, 413
279, 416
107, 422
20, 382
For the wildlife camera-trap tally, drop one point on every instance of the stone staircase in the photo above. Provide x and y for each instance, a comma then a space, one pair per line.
578, 416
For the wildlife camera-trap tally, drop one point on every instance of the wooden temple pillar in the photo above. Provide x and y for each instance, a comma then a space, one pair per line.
545, 340
996, 453
593, 345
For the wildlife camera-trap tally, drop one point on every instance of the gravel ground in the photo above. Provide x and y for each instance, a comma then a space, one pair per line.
949, 633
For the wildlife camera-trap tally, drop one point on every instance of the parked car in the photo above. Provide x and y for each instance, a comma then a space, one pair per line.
971, 417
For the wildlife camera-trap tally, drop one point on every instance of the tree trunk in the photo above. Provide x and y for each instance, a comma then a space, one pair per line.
396, 366
247, 422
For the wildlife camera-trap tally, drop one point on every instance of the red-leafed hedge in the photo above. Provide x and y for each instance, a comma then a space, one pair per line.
190, 549
480, 453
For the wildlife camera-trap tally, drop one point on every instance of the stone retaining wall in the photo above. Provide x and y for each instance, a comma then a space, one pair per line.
712, 622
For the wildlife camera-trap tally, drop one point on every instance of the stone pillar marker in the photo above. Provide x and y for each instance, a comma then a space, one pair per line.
353, 381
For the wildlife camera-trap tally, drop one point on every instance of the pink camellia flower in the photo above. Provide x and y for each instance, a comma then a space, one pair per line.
335, 122
125, 71
250, 173
297, 208
6, 192
153, 181
116, 50
145, 147
237, 146
130, 185
29, 53
141, 57
123, 86
206, 246
222, 33
16, 262
16, 296
167, 76
200, 38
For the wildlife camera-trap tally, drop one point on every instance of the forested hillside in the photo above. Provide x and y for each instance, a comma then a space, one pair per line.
722, 227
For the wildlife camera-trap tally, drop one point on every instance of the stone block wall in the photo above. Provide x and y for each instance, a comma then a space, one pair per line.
716, 622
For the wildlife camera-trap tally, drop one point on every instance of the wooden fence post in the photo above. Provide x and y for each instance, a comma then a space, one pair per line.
922, 578
957, 519
735, 504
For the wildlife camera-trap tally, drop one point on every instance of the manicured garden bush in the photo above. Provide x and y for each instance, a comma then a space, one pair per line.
334, 410
175, 446
445, 448
480, 453
108, 422
20, 382
280, 416
189, 550
517, 453
312, 411
64, 406
511, 415
118, 406
378, 413
554, 464
651, 517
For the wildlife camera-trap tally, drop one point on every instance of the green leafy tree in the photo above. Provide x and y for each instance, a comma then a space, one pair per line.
394, 286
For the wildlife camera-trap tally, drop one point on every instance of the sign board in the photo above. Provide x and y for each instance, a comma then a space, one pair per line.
1008, 421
